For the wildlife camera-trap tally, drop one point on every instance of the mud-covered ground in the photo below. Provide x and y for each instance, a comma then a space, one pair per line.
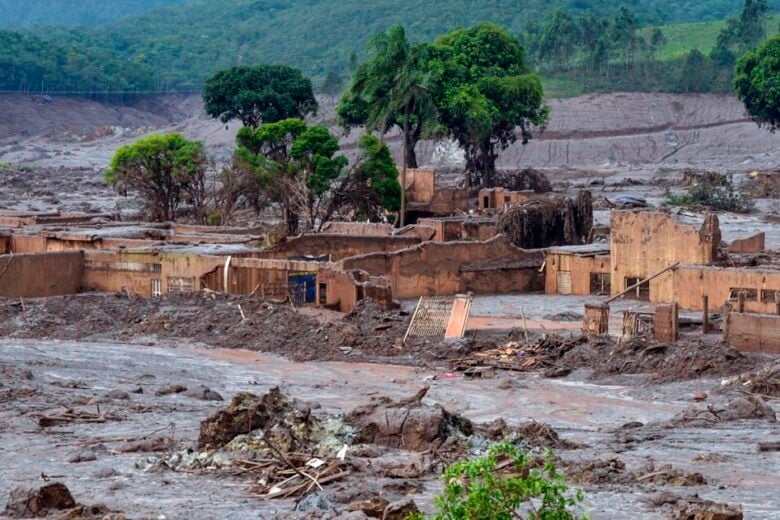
626, 433
157, 368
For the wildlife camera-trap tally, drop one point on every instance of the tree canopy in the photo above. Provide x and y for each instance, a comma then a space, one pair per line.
260, 94
758, 83
166, 170
299, 167
485, 93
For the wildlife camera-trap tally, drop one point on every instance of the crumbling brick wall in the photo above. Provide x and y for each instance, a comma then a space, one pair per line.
753, 332
688, 283
41, 274
646, 242
438, 269
336, 246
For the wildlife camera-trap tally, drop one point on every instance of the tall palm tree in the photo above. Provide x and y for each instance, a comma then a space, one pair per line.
390, 89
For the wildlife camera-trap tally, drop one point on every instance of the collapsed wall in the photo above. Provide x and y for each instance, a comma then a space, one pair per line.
553, 220
495, 266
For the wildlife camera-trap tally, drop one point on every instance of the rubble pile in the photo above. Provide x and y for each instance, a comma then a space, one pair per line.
408, 424
764, 382
554, 220
522, 357
612, 471
684, 360
740, 408
694, 508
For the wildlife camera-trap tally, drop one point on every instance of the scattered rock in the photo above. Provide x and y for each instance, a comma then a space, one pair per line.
695, 508
400, 510
119, 395
106, 473
37, 503
171, 389
504, 383
83, 456
247, 412
146, 445
314, 502
203, 393
374, 507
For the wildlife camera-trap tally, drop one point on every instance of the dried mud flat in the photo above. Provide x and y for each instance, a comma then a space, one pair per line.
112, 403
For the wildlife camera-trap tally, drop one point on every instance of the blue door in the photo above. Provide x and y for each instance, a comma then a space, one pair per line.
303, 287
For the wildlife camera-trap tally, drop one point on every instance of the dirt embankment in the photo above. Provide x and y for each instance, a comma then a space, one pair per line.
604, 131
368, 334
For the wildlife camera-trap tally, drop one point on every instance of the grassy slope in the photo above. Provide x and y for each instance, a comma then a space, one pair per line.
683, 37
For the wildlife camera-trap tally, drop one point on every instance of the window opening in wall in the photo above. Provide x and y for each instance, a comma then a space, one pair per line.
769, 295
751, 295
180, 284
156, 288
600, 283
323, 293
486, 202
641, 292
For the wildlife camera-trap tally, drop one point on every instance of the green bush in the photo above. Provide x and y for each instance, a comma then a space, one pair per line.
481, 489
712, 196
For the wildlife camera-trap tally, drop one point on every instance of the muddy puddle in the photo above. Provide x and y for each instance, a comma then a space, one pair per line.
64, 373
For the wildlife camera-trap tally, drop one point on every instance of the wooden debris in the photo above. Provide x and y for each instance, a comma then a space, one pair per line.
69, 416
768, 446
518, 356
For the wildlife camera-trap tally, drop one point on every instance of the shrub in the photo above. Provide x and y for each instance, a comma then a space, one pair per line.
487, 488
710, 195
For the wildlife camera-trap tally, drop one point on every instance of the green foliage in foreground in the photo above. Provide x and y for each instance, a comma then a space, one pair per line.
712, 196
477, 490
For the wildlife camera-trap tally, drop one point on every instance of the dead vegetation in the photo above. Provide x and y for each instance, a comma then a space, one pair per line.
553, 220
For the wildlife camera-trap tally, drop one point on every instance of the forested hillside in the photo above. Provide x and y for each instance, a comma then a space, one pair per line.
24, 13
576, 44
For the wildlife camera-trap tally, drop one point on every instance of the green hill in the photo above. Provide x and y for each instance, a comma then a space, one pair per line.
186, 43
179, 45
25, 13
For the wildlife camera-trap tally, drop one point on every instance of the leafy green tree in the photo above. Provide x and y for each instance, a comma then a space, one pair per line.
377, 169
166, 170
695, 75
260, 94
485, 94
478, 489
757, 83
388, 89
299, 167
